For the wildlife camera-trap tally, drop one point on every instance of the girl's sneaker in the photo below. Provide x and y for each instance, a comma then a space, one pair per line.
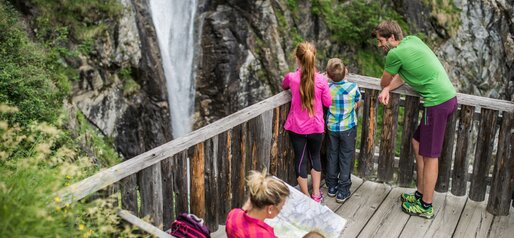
319, 198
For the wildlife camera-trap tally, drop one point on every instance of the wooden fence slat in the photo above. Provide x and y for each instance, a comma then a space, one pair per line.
168, 205
259, 136
367, 148
224, 182
501, 188
128, 187
180, 185
388, 139
461, 161
445, 161
238, 166
274, 153
483, 154
150, 188
198, 181
212, 199
410, 123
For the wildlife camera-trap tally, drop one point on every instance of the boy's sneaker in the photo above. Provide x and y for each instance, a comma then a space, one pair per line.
319, 198
408, 197
332, 191
341, 197
416, 209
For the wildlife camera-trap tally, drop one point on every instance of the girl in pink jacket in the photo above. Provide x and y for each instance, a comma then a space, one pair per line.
305, 123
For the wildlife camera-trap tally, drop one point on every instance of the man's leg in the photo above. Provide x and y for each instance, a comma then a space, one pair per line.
419, 166
430, 171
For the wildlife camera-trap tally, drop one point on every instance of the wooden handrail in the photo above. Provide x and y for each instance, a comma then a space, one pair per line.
114, 174
464, 99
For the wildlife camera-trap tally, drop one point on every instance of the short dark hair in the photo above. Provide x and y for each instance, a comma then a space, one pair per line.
388, 28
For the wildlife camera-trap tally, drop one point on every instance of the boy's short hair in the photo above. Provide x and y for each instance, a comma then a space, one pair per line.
336, 69
313, 234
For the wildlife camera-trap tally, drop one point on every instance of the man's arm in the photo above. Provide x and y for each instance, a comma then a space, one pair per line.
396, 82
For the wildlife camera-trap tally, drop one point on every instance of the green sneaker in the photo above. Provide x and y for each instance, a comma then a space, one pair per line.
416, 209
408, 197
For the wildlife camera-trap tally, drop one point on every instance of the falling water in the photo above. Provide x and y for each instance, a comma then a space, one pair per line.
174, 22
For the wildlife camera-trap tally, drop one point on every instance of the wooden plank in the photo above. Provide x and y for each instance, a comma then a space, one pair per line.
168, 205
198, 181
150, 188
367, 149
128, 187
446, 216
483, 154
274, 154
180, 185
238, 167
502, 226
152, 230
445, 161
475, 221
362, 206
464, 99
389, 218
388, 139
461, 163
259, 136
331, 202
501, 188
410, 123
113, 174
212, 198
224, 181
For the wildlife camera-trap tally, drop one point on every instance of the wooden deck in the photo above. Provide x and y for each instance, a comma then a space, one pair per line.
374, 210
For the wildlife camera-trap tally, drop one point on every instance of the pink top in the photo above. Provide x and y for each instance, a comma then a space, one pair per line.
240, 225
298, 120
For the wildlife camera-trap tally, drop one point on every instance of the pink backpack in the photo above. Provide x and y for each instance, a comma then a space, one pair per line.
189, 225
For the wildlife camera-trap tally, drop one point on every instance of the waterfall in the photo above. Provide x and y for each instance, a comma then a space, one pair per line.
174, 24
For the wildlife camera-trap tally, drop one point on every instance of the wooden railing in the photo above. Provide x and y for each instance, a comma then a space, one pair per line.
222, 153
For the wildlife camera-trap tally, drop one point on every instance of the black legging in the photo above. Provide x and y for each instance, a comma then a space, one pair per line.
306, 145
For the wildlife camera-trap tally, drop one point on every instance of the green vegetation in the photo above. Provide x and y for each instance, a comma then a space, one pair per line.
43, 146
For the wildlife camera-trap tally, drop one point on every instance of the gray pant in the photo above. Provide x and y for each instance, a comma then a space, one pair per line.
340, 151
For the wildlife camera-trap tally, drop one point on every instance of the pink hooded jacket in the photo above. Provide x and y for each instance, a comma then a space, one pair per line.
298, 119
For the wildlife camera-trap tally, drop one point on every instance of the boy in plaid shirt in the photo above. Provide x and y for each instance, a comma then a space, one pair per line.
342, 130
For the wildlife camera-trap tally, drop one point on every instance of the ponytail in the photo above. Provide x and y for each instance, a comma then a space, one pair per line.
306, 54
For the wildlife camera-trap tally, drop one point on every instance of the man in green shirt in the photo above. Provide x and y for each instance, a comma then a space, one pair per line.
411, 61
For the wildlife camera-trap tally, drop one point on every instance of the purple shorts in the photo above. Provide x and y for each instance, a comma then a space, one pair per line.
431, 129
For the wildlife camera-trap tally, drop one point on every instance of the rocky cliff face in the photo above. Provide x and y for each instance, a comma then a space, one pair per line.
480, 57
137, 120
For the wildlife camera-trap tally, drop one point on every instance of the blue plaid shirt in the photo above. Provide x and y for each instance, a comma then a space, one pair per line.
341, 114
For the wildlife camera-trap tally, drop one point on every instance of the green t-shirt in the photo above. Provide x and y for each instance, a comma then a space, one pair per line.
420, 68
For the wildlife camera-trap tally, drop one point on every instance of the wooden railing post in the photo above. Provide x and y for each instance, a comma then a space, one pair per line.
150, 187
198, 181
180, 185
212, 198
410, 123
501, 187
445, 161
224, 181
461, 162
483, 154
238, 169
259, 138
168, 205
369, 122
388, 139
